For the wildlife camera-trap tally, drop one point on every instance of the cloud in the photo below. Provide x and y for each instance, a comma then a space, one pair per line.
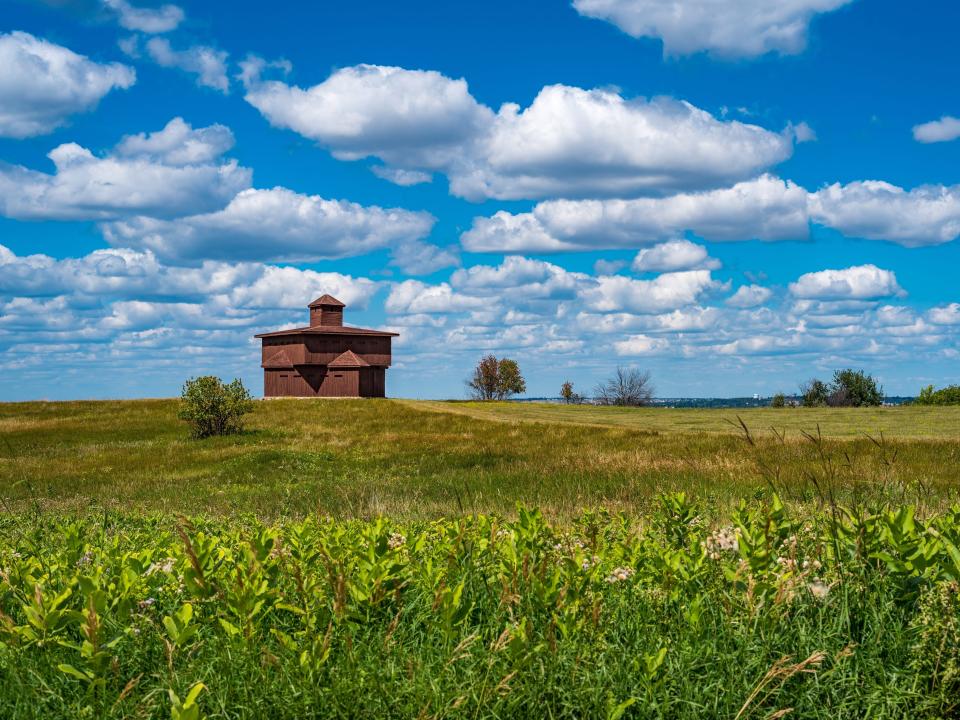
524, 278
208, 64
149, 20
178, 144
945, 129
766, 208
404, 178
42, 84
945, 314
409, 118
641, 345
276, 225
413, 296
569, 142
665, 292
674, 255
609, 267
121, 274
172, 172
418, 258
926, 215
862, 282
748, 296
728, 28
572, 142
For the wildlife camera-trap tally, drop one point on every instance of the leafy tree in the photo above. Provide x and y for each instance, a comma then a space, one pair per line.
495, 379
850, 388
778, 401
627, 387
949, 395
212, 407
569, 395
815, 393
854, 388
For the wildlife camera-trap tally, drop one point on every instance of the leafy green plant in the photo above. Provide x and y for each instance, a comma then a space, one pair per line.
488, 616
949, 395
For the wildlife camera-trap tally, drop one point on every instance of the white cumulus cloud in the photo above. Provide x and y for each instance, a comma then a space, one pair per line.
669, 291
641, 345
275, 224
674, 255
861, 282
748, 296
173, 172
766, 208
727, 28
411, 118
42, 84
569, 142
875, 210
945, 129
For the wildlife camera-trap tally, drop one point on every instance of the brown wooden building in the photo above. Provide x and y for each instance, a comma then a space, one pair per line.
327, 358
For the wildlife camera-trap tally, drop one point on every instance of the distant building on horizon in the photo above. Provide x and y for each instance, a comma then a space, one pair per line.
326, 358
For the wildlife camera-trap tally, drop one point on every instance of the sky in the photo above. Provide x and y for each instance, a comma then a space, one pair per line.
735, 195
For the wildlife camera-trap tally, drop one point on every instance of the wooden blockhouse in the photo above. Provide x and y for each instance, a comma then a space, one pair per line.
326, 358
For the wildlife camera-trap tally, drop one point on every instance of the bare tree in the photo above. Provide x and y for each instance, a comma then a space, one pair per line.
628, 386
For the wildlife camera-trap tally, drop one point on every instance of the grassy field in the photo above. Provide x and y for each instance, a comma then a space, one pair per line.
386, 559
424, 460
896, 422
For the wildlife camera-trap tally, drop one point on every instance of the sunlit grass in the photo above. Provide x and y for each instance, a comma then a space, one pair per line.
424, 460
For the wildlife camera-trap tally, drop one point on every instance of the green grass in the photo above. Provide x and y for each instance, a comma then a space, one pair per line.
369, 559
424, 460
896, 422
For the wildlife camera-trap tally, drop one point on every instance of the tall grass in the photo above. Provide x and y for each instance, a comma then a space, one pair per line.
840, 613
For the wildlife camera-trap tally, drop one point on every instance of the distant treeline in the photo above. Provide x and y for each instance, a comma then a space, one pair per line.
734, 402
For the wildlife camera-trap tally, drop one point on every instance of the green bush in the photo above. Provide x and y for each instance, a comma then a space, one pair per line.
949, 395
778, 401
815, 393
850, 388
854, 388
212, 407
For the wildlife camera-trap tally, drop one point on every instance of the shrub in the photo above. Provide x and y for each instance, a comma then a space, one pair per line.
815, 393
854, 388
495, 379
212, 407
850, 388
778, 401
627, 387
949, 395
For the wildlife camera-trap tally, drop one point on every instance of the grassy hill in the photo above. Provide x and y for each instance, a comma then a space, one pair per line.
411, 459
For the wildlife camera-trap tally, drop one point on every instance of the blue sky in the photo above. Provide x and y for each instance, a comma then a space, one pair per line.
735, 196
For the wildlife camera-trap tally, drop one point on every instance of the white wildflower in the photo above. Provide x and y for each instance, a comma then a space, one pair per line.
166, 566
619, 574
396, 541
723, 540
819, 589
